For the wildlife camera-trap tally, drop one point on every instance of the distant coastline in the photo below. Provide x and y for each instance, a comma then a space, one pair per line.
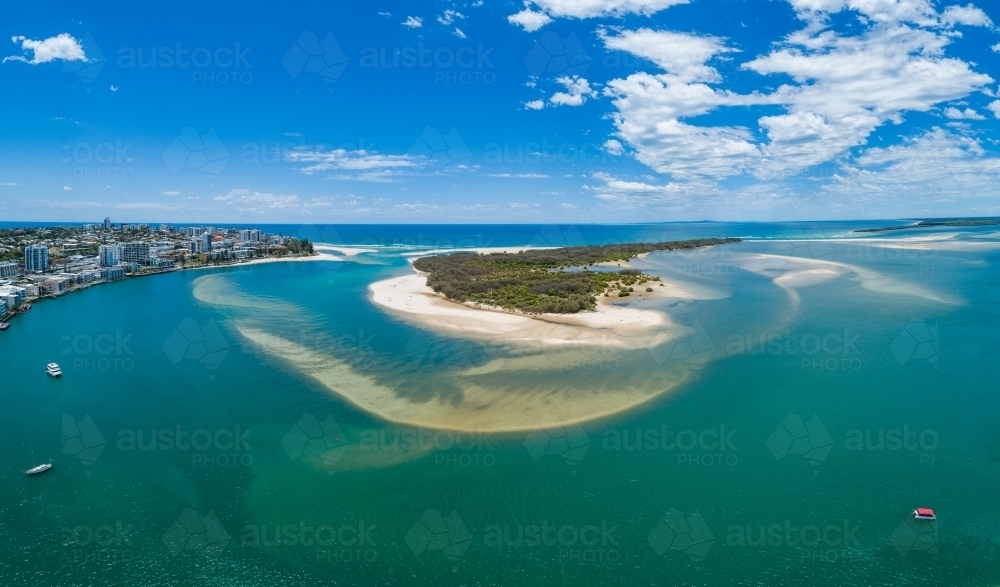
957, 222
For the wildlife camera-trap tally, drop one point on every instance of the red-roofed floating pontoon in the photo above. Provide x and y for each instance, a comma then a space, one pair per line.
924, 514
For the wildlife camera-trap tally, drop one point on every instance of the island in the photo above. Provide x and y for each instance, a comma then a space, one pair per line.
931, 223
536, 281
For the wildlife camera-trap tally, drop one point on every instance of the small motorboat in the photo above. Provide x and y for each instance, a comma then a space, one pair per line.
53, 370
4, 325
39, 469
924, 514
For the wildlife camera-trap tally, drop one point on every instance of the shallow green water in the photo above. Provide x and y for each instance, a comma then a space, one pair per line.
649, 497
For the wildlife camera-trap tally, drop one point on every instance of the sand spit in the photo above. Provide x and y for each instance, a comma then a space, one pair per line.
792, 273
484, 407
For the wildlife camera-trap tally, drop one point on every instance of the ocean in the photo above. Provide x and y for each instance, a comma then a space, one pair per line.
792, 428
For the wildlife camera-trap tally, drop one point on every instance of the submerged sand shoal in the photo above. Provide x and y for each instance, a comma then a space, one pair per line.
486, 404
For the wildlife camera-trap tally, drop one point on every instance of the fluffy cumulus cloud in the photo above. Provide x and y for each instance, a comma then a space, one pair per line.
967, 114
61, 47
538, 13
577, 91
994, 107
841, 89
651, 106
414, 22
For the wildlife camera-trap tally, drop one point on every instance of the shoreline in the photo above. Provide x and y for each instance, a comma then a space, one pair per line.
410, 298
348, 252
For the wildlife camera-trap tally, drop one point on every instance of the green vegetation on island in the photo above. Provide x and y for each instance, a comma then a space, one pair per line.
932, 223
535, 281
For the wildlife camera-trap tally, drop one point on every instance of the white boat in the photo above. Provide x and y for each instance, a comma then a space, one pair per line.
53, 370
39, 469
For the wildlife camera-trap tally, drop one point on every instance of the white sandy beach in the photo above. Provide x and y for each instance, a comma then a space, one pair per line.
410, 297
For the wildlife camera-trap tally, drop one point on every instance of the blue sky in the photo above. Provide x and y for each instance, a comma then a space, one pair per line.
539, 111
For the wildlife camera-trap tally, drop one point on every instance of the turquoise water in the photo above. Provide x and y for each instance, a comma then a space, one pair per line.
801, 395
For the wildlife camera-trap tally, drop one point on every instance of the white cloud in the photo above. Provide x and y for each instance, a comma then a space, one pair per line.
257, 202
996, 48
62, 47
613, 147
681, 55
519, 175
414, 22
650, 107
549, 9
935, 165
967, 15
458, 33
919, 12
171, 193
530, 20
994, 107
348, 164
66, 188
577, 92
846, 87
565, 206
449, 17
534, 105
967, 114
843, 88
